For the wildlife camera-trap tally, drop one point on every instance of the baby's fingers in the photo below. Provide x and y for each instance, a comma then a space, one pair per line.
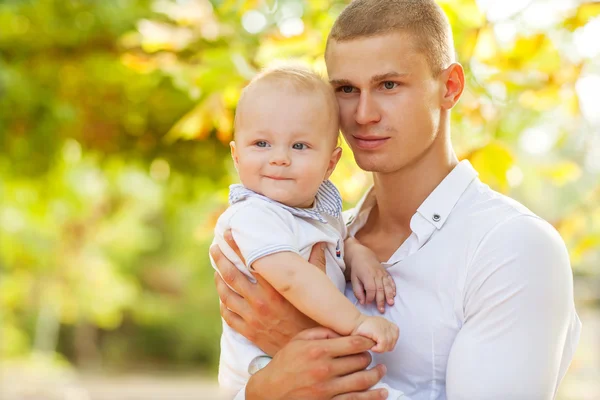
371, 289
380, 295
390, 289
383, 345
358, 289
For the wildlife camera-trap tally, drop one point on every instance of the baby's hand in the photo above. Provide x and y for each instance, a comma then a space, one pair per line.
370, 281
380, 330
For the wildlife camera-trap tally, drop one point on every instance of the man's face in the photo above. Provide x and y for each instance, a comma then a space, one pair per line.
390, 102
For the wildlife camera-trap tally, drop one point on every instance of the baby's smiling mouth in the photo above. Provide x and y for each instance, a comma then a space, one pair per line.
277, 178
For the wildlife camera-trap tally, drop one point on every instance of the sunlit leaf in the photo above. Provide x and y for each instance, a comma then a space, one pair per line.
584, 13
587, 244
562, 173
493, 162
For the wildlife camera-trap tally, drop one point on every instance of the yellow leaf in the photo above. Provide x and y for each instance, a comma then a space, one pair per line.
487, 47
586, 244
192, 125
140, 64
542, 99
493, 162
584, 13
562, 173
207, 115
573, 226
470, 14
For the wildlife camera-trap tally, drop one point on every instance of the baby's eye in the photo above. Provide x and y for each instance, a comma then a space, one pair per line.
299, 146
389, 85
261, 143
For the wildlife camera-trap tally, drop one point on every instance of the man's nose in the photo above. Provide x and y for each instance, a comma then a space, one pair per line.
367, 111
280, 157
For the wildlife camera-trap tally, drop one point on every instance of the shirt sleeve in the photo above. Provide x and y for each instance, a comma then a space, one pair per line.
521, 328
260, 229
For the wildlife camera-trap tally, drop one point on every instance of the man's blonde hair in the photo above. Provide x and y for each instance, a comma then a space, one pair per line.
423, 19
300, 79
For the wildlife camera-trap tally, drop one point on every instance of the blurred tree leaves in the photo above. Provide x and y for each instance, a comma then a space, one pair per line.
114, 123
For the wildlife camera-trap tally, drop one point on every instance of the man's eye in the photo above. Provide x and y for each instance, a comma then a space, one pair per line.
389, 85
299, 146
347, 89
261, 143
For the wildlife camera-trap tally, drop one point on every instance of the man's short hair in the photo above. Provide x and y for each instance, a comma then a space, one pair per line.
423, 19
300, 79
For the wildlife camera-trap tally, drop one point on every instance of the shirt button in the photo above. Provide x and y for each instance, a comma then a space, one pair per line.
436, 217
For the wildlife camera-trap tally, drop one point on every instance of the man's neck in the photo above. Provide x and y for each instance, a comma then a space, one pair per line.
400, 193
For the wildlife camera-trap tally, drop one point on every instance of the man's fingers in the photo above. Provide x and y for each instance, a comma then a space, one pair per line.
358, 289
232, 319
358, 382
347, 345
228, 236
346, 365
316, 334
378, 394
229, 298
233, 277
317, 256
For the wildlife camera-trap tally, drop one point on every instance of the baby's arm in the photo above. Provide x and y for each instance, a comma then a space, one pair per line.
311, 292
370, 281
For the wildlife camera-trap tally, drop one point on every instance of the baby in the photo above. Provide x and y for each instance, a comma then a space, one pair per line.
285, 149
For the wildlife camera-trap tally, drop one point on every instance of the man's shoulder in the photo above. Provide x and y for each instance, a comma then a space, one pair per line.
482, 210
480, 200
506, 227
495, 221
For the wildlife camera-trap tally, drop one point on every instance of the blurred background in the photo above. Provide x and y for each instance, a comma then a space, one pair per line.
115, 118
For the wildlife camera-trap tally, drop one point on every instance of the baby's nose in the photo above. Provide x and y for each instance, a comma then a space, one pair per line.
280, 158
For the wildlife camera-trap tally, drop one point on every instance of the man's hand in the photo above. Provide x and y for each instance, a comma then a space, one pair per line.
257, 311
319, 365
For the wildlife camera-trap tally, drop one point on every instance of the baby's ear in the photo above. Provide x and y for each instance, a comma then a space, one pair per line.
335, 157
234, 154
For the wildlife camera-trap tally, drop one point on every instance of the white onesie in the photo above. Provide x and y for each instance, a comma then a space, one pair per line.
260, 227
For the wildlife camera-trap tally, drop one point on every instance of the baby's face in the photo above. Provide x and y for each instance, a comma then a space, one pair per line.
285, 146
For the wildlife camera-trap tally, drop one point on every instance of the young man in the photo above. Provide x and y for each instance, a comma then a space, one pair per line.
485, 296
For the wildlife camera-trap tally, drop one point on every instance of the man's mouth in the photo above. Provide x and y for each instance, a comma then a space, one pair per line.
369, 142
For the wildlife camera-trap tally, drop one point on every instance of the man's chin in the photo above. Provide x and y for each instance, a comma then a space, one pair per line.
371, 165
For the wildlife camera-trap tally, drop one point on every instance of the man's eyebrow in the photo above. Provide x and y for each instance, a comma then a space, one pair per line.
387, 76
340, 82
374, 79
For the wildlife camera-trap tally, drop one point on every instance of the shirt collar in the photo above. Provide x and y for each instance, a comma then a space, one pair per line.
327, 201
437, 206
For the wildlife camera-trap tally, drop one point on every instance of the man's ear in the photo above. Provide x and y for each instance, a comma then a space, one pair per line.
453, 84
335, 157
234, 154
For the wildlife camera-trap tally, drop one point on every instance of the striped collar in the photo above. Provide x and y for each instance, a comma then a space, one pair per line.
327, 201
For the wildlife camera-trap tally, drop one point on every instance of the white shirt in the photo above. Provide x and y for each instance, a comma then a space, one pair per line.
484, 297
260, 227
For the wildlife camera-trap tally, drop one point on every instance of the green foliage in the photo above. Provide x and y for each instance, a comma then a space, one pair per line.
114, 122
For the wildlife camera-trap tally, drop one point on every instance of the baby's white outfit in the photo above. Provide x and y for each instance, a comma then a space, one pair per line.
260, 227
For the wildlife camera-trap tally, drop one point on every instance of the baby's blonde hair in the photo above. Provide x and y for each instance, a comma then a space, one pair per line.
297, 78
